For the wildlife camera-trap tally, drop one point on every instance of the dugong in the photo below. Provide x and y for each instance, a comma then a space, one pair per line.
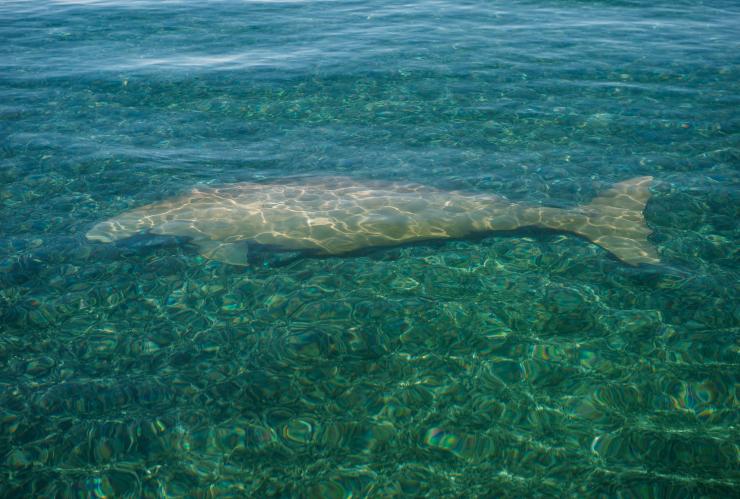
336, 215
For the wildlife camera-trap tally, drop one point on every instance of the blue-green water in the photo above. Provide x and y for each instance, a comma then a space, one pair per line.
515, 364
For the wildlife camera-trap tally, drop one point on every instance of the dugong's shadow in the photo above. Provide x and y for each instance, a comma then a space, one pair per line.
258, 255
272, 256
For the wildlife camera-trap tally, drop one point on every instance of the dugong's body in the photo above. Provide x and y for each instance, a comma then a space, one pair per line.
338, 215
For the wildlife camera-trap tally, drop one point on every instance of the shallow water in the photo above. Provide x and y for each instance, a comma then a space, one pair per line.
522, 363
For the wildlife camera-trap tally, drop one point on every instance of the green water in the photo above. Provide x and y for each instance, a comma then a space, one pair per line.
528, 363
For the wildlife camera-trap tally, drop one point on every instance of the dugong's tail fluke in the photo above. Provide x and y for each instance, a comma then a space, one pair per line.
615, 221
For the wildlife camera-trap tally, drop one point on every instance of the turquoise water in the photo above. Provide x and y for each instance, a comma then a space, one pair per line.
510, 364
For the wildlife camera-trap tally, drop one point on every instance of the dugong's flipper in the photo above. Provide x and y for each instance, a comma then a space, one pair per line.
234, 253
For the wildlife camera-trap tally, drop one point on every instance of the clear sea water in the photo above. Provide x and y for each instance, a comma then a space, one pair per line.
514, 364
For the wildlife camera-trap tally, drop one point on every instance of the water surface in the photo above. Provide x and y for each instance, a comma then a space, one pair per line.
526, 363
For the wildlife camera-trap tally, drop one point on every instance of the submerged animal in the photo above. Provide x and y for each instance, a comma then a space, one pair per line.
336, 215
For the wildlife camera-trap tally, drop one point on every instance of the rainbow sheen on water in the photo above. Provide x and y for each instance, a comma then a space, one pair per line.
519, 363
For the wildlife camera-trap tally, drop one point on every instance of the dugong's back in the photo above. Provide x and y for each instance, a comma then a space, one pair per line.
328, 216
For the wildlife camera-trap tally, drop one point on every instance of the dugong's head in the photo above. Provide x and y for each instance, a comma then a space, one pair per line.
120, 227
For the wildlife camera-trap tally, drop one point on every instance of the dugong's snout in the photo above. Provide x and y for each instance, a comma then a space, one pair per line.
107, 232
